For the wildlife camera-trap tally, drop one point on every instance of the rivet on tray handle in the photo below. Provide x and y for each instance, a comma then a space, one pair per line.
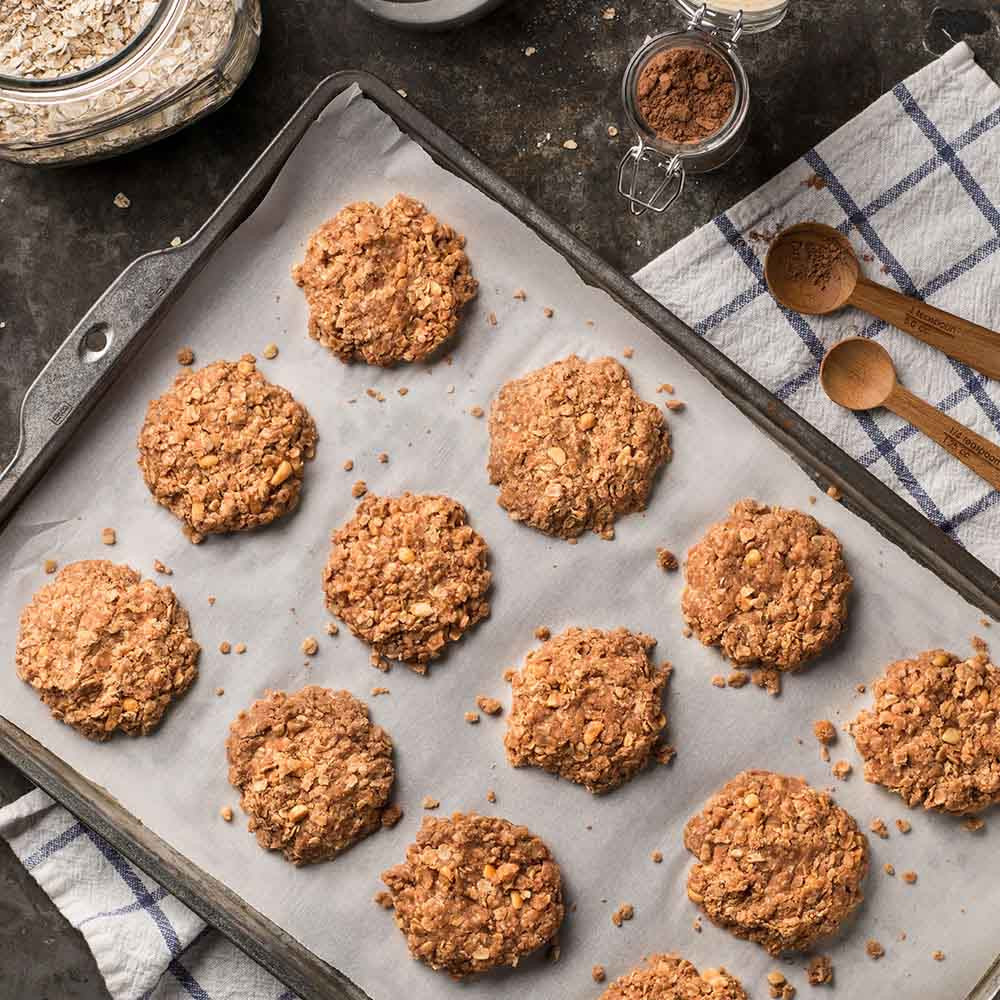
83, 367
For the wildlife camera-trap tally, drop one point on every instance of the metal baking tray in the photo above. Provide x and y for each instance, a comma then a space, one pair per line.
100, 348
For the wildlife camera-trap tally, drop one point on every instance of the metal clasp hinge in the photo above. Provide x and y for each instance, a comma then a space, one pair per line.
665, 193
728, 35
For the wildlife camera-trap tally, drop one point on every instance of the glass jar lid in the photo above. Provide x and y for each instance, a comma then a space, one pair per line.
734, 17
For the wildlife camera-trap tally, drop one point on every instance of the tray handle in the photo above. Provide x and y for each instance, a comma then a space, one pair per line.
89, 359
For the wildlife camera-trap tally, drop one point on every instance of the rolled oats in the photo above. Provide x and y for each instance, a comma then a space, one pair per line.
572, 447
670, 977
384, 284
767, 585
778, 862
587, 706
224, 449
931, 735
475, 893
105, 649
313, 772
408, 575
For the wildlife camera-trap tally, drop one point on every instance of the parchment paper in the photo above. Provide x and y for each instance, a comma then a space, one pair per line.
269, 596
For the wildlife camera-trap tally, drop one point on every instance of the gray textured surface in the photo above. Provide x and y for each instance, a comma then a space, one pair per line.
62, 240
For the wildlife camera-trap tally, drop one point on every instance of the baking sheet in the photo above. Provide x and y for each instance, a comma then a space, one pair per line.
269, 596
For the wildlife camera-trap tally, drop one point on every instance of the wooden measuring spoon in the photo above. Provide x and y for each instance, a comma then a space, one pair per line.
812, 269
859, 374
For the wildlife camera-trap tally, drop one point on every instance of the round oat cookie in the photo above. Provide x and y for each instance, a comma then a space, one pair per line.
474, 893
778, 862
105, 649
408, 575
768, 585
384, 284
587, 706
224, 448
931, 735
314, 774
670, 977
573, 447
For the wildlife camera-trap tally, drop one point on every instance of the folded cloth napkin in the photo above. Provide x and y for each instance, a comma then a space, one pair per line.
913, 182
147, 944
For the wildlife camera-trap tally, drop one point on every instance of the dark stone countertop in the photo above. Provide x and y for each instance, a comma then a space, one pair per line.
62, 240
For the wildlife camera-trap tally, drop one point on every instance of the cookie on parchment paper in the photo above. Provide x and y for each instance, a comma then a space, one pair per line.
932, 733
779, 862
224, 449
408, 575
105, 649
586, 705
474, 893
572, 447
314, 773
768, 585
670, 977
384, 284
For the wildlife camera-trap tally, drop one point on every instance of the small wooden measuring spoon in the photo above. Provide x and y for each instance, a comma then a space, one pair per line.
858, 373
812, 269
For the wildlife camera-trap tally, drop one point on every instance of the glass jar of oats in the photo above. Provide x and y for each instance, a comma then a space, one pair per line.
83, 79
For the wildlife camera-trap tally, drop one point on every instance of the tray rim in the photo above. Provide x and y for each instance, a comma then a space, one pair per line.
260, 938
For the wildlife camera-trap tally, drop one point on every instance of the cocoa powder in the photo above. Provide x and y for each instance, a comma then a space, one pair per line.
686, 95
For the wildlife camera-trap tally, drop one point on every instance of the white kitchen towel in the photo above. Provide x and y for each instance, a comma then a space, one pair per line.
914, 182
147, 944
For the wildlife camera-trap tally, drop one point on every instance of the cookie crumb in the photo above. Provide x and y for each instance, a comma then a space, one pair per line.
122, 200
161, 568
598, 974
874, 949
841, 770
176, 241
812, 499
626, 911
612, 130
776, 982
108, 536
676, 405
664, 753
657, 857
359, 489
666, 387
548, 313
834, 494
224, 648
628, 352
211, 600
860, 688
888, 869
384, 899
332, 628
491, 318
226, 813
824, 731
376, 691
878, 827
696, 925
985, 622
491, 706
520, 294
903, 825
718, 681
938, 956
402, 390
429, 803
219, 692
241, 648
383, 458
491, 796
185, 356
909, 877
768, 680
973, 823
542, 634
391, 816
570, 144
737, 679
349, 465
50, 566
820, 971
472, 718
666, 560
270, 351
310, 645
476, 411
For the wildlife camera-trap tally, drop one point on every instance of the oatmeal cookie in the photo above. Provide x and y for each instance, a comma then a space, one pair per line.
384, 284
407, 574
586, 706
767, 585
931, 735
778, 862
224, 448
573, 447
670, 977
314, 774
474, 893
105, 649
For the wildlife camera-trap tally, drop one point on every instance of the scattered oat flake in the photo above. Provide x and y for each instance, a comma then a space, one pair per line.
608, 14
383, 457
376, 691
530, 50
666, 560
220, 692
612, 130
570, 144
825, 731
332, 628
767, 679
874, 949
430, 803
903, 825
833, 493
889, 869
122, 200
909, 877
491, 796
241, 648
878, 827
161, 568
598, 974
310, 645
492, 319
737, 679
812, 499
675, 405
542, 634
696, 925
472, 718
359, 489
384, 899
176, 241
211, 600
491, 706
548, 312
628, 352
224, 648
185, 356
860, 688
938, 956
402, 390
476, 411
108, 536
841, 770
973, 823
626, 911
521, 294
270, 351
226, 813
820, 971
50, 566
401, 92
666, 387
718, 681
657, 857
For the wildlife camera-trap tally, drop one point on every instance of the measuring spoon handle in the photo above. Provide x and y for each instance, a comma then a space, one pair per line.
957, 337
970, 448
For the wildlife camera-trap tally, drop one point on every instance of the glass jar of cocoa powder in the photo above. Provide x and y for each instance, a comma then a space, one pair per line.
687, 98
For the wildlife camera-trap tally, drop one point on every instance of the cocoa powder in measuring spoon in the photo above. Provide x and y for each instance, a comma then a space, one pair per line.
686, 94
